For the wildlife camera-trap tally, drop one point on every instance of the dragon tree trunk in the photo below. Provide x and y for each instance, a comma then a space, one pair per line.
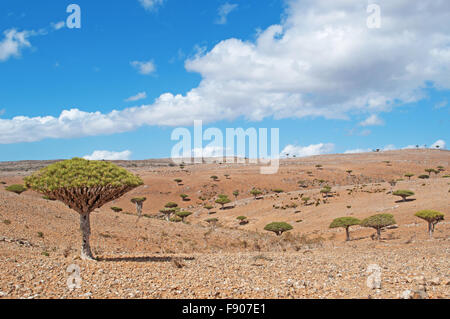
85, 226
347, 233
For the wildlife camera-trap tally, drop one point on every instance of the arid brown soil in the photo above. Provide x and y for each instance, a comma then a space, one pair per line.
152, 258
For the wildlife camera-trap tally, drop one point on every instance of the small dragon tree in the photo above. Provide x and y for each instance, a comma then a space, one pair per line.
278, 227
222, 200
378, 222
403, 193
16, 188
116, 209
235, 194
255, 192
409, 175
305, 200
242, 220
325, 191
169, 209
139, 201
83, 186
183, 215
429, 171
432, 217
345, 222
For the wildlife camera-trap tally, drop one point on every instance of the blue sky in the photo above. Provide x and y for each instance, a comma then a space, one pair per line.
329, 84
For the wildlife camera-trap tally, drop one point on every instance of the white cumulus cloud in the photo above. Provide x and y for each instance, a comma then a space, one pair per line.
313, 149
321, 60
151, 5
137, 97
223, 11
372, 121
144, 67
13, 42
108, 155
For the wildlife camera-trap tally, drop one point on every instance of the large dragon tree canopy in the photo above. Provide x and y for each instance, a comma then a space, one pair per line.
83, 185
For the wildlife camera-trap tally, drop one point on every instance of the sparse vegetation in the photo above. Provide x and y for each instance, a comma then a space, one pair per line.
83, 186
378, 222
235, 194
432, 217
223, 200
278, 227
403, 193
255, 192
16, 188
325, 191
139, 202
409, 175
116, 209
243, 220
306, 200
183, 215
345, 222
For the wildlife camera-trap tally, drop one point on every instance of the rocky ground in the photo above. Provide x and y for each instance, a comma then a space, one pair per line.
153, 258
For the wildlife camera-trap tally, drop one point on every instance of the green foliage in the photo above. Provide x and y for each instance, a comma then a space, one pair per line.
175, 219
278, 227
183, 214
222, 200
116, 209
171, 205
344, 222
403, 193
78, 172
16, 188
169, 211
325, 190
184, 196
241, 218
430, 215
177, 180
424, 176
214, 177
409, 175
378, 221
277, 190
208, 207
255, 192
138, 200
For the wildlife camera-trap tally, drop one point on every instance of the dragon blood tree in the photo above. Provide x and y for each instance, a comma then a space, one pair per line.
139, 201
83, 186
